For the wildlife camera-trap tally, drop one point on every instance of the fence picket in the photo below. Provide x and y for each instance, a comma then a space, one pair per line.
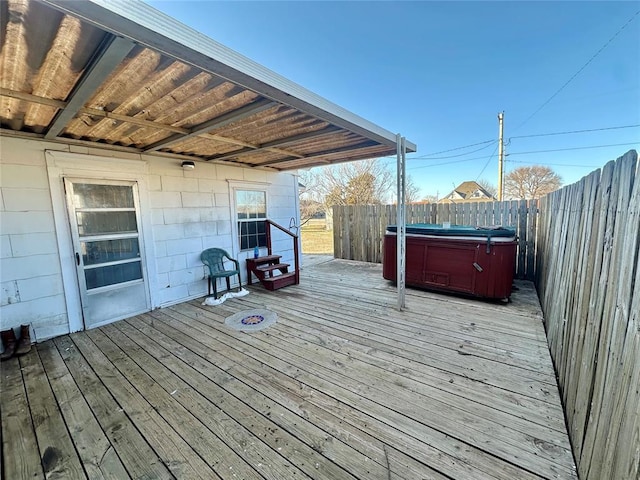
581, 246
359, 229
532, 218
587, 276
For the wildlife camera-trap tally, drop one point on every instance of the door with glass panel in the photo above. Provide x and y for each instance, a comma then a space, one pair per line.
105, 222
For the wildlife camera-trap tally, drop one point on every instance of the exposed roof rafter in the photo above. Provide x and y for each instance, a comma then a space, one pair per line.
254, 118
28, 97
326, 153
214, 123
141, 122
276, 144
111, 53
155, 30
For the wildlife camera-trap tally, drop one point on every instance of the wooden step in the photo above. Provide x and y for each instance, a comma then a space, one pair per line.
259, 266
271, 268
274, 283
265, 259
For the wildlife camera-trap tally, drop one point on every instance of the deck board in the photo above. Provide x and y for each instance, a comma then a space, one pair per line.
343, 386
59, 457
139, 459
394, 394
376, 346
20, 456
96, 452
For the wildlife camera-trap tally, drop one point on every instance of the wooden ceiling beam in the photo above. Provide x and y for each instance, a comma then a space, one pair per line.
219, 122
326, 153
321, 163
291, 156
108, 56
110, 147
283, 142
157, 31
28, 97
94, 112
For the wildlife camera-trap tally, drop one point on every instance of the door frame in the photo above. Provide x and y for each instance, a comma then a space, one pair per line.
85, 294
94, 167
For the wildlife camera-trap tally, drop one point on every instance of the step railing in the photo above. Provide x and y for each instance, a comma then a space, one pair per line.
296, 260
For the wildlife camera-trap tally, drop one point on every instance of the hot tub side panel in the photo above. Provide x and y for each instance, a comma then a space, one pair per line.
462, 266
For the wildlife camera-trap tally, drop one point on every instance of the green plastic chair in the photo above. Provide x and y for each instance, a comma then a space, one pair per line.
214, 258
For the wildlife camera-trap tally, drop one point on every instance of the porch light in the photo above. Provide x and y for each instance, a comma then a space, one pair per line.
188, 165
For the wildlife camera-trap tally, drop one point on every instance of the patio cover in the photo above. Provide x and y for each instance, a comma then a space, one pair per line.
120, 74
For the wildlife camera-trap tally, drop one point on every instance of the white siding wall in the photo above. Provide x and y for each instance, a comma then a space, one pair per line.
32, 291
190, 210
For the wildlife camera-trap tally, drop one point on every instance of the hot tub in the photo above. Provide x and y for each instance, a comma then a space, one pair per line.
461, 259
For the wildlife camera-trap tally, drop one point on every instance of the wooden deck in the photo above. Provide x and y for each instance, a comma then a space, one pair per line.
341, 387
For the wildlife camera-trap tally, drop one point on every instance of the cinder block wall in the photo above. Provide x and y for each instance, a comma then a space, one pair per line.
190, 210
30, 276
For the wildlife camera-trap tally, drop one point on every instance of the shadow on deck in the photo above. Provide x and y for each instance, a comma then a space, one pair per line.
343, 386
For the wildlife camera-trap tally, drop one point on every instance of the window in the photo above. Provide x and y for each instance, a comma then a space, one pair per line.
251, 206
107, 233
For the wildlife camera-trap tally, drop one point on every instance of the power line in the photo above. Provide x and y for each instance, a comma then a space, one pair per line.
574, 131
555, 164
580, 70
488, 161
452, 149
516, 161
444, 163
429, 156
574, 148
516, 153
453, 156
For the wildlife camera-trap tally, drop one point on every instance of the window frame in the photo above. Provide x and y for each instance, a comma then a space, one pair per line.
236, 188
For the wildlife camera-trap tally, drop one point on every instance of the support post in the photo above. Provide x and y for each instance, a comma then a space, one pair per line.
401, 220
500, 153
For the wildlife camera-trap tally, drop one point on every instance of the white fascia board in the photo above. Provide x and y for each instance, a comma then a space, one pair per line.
147, 26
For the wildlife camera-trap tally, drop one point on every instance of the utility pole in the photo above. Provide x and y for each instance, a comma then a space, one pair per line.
500, 153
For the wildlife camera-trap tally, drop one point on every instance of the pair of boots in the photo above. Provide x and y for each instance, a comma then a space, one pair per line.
14, 346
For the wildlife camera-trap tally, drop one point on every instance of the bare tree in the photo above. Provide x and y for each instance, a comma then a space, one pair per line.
429, 199
531, 182
309, 209
412, 192
364, 182
361, 190
488, 186
311, 203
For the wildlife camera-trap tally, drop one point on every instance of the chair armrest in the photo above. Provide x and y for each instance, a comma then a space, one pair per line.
235, 262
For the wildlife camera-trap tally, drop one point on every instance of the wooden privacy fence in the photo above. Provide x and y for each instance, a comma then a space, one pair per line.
358, 230
588, 280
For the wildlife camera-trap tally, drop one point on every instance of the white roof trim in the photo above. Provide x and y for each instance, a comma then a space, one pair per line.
147, 26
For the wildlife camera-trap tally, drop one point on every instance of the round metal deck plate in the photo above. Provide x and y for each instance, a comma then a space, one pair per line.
251, 320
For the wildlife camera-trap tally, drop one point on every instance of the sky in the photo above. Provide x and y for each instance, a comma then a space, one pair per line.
439, 73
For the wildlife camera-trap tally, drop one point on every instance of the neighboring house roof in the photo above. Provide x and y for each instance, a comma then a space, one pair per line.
468, 192
123, 75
